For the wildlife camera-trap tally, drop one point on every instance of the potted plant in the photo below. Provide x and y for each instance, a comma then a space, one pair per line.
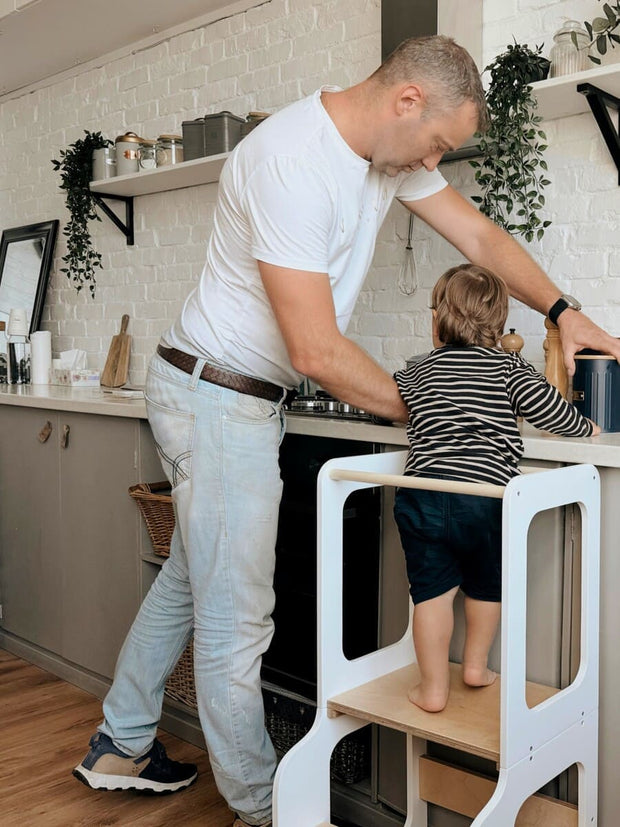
75, 174
602, 30
511, 169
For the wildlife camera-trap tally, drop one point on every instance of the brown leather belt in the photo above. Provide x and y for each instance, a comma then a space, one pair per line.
226, 379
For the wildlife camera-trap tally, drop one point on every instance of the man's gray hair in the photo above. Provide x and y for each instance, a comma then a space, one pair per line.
447, 71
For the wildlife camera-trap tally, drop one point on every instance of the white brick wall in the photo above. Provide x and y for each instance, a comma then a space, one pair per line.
262, 59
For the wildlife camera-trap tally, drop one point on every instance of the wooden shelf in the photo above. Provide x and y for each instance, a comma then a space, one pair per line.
559, 98
188, 174
470, 721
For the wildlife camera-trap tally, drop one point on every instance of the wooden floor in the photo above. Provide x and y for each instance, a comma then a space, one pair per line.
45, 725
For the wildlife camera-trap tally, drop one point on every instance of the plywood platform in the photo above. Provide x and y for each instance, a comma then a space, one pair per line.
469, 722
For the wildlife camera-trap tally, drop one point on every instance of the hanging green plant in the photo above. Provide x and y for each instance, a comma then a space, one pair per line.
511, 170
601, 30
75, 174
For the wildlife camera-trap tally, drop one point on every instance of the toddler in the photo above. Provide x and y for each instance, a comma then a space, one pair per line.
464, 399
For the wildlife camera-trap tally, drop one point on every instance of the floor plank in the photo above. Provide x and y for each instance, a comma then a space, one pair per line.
45, 725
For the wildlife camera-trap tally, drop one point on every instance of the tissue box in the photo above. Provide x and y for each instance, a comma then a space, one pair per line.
75, 378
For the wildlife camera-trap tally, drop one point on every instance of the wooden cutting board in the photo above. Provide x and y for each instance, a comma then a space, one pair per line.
116, 368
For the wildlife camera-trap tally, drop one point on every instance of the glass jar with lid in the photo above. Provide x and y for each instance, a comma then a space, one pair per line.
169, 150
146, 155
566, 57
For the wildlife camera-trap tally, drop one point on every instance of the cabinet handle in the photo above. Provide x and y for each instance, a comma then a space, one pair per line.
44, 433
64, 440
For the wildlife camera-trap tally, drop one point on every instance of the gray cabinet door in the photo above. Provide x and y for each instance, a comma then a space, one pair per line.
69, 533
31, 565
100, 525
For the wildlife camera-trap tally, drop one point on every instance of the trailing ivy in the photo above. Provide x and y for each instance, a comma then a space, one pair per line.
75, 174
601, 30
511, 171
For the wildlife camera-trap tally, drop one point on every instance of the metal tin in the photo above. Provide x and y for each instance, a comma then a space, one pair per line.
169, 150
211, 135
127, 148
596, 388
104, 163
251, 122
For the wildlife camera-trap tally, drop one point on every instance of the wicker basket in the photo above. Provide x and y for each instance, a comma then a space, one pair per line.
286, 720
155, 502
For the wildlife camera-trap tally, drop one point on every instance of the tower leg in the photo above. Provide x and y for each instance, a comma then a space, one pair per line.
416, 808
301, 791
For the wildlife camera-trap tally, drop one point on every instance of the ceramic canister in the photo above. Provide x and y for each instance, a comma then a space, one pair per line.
596, 388
127, 153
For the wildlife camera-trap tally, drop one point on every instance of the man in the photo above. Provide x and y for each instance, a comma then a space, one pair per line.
300, 202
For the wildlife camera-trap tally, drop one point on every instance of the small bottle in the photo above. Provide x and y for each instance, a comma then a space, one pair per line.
3, 354
18, 348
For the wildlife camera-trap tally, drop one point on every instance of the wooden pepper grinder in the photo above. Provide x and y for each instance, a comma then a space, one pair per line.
511, 342
554, 360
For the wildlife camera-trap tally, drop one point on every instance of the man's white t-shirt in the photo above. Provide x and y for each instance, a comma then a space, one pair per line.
294, 194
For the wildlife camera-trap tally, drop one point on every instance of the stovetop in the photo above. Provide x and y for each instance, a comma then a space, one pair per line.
322, 404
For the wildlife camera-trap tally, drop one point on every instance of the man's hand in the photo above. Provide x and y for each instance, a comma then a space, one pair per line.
595, 428
578, 331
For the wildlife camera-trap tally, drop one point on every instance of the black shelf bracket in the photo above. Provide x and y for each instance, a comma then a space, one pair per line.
127, 227
599, 101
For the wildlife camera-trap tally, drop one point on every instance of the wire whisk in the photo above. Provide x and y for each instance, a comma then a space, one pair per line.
408, 276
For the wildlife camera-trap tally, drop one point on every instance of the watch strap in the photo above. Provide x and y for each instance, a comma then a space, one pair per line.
559, 307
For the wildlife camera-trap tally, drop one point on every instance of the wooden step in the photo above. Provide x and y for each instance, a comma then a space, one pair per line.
470, 721
466, 792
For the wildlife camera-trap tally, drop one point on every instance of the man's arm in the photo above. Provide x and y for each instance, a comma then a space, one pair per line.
483, 242
303, 305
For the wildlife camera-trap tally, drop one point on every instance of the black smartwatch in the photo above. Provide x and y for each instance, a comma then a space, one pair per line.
561, 305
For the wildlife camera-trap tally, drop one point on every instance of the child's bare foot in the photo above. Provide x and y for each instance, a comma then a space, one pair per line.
478, 676
429, 700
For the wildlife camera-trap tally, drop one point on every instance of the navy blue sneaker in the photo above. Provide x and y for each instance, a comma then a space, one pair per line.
107, 768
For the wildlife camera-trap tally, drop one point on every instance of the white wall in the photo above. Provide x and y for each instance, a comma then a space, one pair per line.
263, 59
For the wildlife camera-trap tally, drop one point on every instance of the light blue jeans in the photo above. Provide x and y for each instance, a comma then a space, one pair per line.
219, 449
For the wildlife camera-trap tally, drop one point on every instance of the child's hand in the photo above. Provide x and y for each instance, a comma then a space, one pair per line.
595, 428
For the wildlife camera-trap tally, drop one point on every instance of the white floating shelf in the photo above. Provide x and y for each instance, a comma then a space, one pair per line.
559, 98
187, 174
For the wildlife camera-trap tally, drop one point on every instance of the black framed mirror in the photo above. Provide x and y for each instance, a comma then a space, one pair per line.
26, 255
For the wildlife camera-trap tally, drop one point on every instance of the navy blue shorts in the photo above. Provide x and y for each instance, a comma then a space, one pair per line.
450, 540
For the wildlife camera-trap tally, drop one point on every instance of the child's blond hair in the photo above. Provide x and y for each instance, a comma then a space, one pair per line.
471, 306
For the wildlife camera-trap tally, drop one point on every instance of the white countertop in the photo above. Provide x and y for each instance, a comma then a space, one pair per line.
603, 450
77, 400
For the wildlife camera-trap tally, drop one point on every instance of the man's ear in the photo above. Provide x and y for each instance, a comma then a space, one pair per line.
410, 98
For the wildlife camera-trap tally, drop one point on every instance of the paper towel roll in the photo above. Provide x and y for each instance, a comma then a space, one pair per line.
41, 357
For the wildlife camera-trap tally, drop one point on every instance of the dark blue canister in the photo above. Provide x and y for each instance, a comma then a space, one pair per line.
596, 388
